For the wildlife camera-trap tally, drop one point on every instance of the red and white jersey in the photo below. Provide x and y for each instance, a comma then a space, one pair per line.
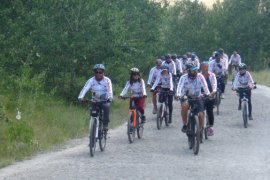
165, 81
137, 88
193, 86
154, 72
243, 81
102, 89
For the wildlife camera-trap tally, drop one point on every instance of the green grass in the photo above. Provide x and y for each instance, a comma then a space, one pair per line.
262, 77
46, 122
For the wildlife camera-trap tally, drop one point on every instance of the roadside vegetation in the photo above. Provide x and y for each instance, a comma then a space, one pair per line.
49, 47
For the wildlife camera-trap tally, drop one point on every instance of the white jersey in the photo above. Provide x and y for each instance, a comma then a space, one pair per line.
165, 81
218, 68
154, 72
235, 60
137, 88
225, 59
172, 67
243, 81
193, 86
183, 63
213, 81
102, 89
178, 66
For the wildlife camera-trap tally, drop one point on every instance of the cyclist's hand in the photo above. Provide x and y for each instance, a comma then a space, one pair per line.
149, 85
152, 90
177, 97
144, 96
81, 100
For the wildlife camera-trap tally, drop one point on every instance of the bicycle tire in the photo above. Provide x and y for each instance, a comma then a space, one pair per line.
139, 129
130, 129
190, 132
166, 119
245, 114
206, 128
159, 118
92, 137
102, 137
197, 135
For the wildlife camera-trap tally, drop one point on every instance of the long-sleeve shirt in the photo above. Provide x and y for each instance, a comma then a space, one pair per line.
154, 72
219, 68
101, 89
225, 59
165, 80
137, 88
235, 60
171, 65
178, 66
211, 80
193, 86
243, 81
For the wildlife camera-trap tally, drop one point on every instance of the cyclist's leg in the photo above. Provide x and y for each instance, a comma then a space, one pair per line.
240, 101
106, 112
201, 113
140, 106
184, 114
209, 106
170, 105
249, 104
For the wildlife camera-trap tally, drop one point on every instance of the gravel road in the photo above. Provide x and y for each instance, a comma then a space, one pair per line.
232, 153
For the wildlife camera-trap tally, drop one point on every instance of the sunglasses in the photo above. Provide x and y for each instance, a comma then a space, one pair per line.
98, 72
135, 74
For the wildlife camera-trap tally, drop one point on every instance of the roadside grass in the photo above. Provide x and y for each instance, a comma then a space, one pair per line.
262, 77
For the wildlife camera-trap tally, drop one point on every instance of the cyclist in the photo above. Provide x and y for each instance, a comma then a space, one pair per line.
235, 61
219, 68
194, 59
168, 62
137, 86
101, 88
178, 65
191, 84
243, 79
166, 84
212, 86
224, 57
184, 61
154, 72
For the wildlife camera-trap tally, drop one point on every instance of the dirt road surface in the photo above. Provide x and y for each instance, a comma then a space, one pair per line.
234, 152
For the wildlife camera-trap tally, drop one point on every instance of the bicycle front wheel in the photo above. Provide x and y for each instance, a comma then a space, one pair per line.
159, 117
197, 135
92, 136
245, 113
139, 129
102, 138
130, 129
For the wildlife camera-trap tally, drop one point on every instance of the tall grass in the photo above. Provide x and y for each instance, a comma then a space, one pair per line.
262, 77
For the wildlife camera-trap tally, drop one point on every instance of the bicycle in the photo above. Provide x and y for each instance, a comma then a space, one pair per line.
206, 125
234, 71
193, 126
244, 103
218, 94
134, 121
163, 109
96, 131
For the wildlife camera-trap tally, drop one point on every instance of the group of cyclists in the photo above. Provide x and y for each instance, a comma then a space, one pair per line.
181, 76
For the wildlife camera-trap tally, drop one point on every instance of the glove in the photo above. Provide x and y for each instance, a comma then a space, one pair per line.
149, 85
144, 96
152, 90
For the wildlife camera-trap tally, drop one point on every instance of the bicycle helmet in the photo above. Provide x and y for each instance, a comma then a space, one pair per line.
167, 56
193, 56
99, 66
134, 70
220, 50
174, 56
242, 66
164, 68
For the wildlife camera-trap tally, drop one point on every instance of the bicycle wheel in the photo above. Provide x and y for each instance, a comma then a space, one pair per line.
245, 113
102, 137
197, 135
130, 129
92, 137
159, 118
190, 132
166, 115
139, 129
